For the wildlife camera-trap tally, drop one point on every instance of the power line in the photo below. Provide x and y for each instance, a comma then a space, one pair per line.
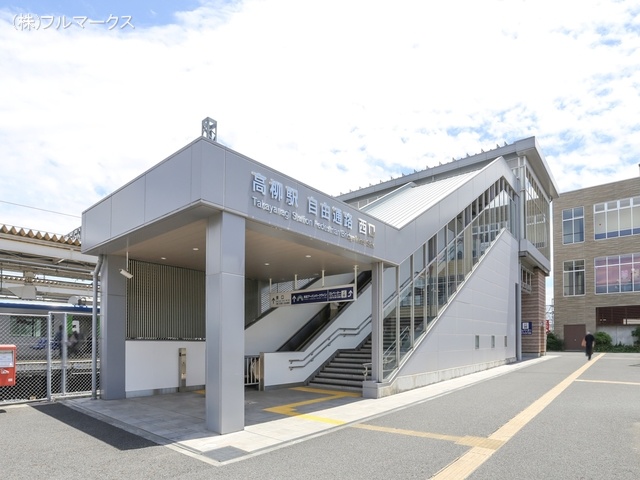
41, 209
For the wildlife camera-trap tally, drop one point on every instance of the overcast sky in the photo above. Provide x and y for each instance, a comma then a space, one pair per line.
337, 94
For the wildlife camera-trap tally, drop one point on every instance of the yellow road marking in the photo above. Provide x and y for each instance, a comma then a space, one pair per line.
290, 409
466, 440
470, 461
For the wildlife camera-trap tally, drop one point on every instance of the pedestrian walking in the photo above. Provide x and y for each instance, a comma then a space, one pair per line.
588, 343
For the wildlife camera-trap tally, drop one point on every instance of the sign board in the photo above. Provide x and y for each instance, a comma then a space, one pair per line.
345, 293
527, 328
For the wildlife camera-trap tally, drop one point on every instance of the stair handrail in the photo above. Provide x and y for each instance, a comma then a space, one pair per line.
339, 332
386, 355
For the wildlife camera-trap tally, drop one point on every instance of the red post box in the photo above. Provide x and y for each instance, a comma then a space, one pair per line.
7, 365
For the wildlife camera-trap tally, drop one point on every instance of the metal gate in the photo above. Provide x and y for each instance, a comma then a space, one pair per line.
54, 355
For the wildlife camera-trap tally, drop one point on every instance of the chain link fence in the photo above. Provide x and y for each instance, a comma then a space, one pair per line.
54, 355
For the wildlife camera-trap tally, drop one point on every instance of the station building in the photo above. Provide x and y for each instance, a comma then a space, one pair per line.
215, 267
597, 262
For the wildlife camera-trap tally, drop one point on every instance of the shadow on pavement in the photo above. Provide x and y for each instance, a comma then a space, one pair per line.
114, 436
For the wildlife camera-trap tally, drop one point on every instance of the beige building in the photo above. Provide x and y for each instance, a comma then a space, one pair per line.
596, 239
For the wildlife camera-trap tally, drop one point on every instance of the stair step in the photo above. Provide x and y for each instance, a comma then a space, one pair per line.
352, 371
340, 376
338, 382
342, 388
346, 365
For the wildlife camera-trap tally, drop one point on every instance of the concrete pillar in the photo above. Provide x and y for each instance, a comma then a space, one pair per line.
113, 328
370, 388
225, 265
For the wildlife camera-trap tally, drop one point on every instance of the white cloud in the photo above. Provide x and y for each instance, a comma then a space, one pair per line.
336, 94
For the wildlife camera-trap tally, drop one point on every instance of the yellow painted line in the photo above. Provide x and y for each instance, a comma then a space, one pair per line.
610, 382
333, 393
465, 465
465, 440
290, 408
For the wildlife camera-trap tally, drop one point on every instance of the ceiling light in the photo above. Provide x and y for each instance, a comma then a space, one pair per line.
124, 273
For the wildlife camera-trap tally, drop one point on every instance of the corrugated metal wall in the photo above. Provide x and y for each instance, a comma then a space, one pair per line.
165, 303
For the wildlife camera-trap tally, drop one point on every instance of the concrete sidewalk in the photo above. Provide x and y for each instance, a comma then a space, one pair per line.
272, 419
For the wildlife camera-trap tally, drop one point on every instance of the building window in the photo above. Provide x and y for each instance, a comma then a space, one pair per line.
618, 273
573, 225
618, 218
573, 277
526, 282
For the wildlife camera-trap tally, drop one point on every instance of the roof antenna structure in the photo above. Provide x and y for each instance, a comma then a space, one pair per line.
210, 129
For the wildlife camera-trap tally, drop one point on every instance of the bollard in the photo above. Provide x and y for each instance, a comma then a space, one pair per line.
182, 369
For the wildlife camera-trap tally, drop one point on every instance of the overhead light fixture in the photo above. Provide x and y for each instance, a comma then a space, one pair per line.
124, 273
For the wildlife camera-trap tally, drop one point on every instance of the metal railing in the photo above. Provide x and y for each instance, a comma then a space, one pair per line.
50, 362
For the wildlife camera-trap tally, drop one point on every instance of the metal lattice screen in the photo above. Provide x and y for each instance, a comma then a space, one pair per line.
53, 355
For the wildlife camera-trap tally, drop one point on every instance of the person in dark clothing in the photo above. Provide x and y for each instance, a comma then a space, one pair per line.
589, 343
57, 340
74, 343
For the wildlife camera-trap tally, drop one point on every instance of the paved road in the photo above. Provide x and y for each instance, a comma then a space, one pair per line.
564, 418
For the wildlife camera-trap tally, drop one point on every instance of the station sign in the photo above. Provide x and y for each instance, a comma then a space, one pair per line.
344, 293
527, 328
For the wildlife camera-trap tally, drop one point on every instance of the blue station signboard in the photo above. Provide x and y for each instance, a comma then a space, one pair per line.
344, 293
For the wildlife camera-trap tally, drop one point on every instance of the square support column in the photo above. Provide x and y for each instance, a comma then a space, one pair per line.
225, 258
113, 329
370, 388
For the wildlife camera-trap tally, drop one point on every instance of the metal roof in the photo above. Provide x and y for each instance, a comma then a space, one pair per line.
409, 201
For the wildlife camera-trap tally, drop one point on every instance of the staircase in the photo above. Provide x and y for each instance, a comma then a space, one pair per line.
345, 371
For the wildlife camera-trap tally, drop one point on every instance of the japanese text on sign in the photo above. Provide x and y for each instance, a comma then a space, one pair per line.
31, 21
274, 197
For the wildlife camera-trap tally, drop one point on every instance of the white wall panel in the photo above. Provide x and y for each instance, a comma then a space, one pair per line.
168, 186
153, 365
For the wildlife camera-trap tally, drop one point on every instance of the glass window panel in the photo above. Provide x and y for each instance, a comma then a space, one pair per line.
568, 284
432, 291
600, 225
418, 260
405, 272
601, 279
612, 224
579, 283
578, 230
598, 207
442, 281
613, 278
635, 218
419, 302
406, 334
625, 221
389, 340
